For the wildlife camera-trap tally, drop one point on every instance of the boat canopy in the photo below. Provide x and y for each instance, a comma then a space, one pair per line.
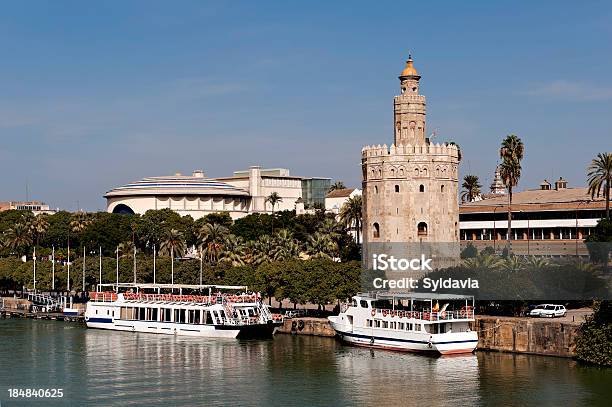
415, 296
175, 286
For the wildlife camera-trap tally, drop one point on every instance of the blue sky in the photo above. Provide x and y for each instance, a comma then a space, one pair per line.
98, 94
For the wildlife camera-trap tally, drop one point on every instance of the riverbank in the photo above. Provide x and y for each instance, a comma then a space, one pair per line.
536, 336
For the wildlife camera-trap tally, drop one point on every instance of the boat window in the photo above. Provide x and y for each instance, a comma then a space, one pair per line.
400, 326
377, 323
408, 327
154, 314
141, 314
385, 324
417, 327
96, 312
176, 316
393, 325
382, 304
208, 318
363, 304
166, 315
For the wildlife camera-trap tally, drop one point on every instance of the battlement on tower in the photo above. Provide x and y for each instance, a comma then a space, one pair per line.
407, 149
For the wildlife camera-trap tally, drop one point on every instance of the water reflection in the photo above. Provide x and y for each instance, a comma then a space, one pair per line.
102, 368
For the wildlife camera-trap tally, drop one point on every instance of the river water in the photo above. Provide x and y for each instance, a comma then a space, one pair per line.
106, 368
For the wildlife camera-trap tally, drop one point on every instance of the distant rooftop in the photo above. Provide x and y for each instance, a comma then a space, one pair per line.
564, 198
340, 193
196, 184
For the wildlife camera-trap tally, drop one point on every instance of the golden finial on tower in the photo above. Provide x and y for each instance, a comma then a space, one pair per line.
409, 70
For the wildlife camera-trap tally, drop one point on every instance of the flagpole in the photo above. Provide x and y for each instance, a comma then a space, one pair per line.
117, 252
100, 279
201, 266
68, 281
154, 253
83, 269
53, 268
34, 269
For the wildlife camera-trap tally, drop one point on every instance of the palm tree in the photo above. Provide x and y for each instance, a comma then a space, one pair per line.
79, 222
212, 237
273, 199
320, 246
40, 226
263, 250
471, 188
233, 251
351, 215
18, 237
488, 262
536, 263
600, 176
513, 264
336, 185
511, 153
173, 242
286, 247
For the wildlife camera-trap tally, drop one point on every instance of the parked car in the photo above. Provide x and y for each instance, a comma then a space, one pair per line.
537, 310
552, 311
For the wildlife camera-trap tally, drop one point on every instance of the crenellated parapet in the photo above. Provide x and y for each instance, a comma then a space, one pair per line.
442, 149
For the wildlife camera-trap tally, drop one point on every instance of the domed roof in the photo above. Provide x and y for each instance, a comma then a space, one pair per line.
196, 184
410, 69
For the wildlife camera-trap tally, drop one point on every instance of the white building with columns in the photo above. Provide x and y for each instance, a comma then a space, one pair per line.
243, 193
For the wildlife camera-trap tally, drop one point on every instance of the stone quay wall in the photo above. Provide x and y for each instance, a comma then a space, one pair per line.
503, 334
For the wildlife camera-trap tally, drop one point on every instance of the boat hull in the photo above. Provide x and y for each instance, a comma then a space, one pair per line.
457, 343
252, 331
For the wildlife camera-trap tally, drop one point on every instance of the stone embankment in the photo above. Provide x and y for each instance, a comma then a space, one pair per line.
551, 337
307, 326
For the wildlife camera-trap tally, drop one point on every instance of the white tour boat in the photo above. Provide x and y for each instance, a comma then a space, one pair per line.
217, 314
413, 322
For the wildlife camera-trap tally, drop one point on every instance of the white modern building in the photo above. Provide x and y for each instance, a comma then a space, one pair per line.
36, 207
242, 193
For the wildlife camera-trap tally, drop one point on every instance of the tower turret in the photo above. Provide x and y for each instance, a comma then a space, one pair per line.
409, 108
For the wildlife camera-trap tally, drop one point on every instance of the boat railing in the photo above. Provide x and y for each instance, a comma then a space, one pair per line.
198, 299
462, 314
103, 296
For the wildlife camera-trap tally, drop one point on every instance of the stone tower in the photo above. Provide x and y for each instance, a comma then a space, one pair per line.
410, 188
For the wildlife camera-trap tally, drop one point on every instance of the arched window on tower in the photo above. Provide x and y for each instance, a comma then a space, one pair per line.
375, 189
421, 188
422, 229
442, 188
376, 230
397, 188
